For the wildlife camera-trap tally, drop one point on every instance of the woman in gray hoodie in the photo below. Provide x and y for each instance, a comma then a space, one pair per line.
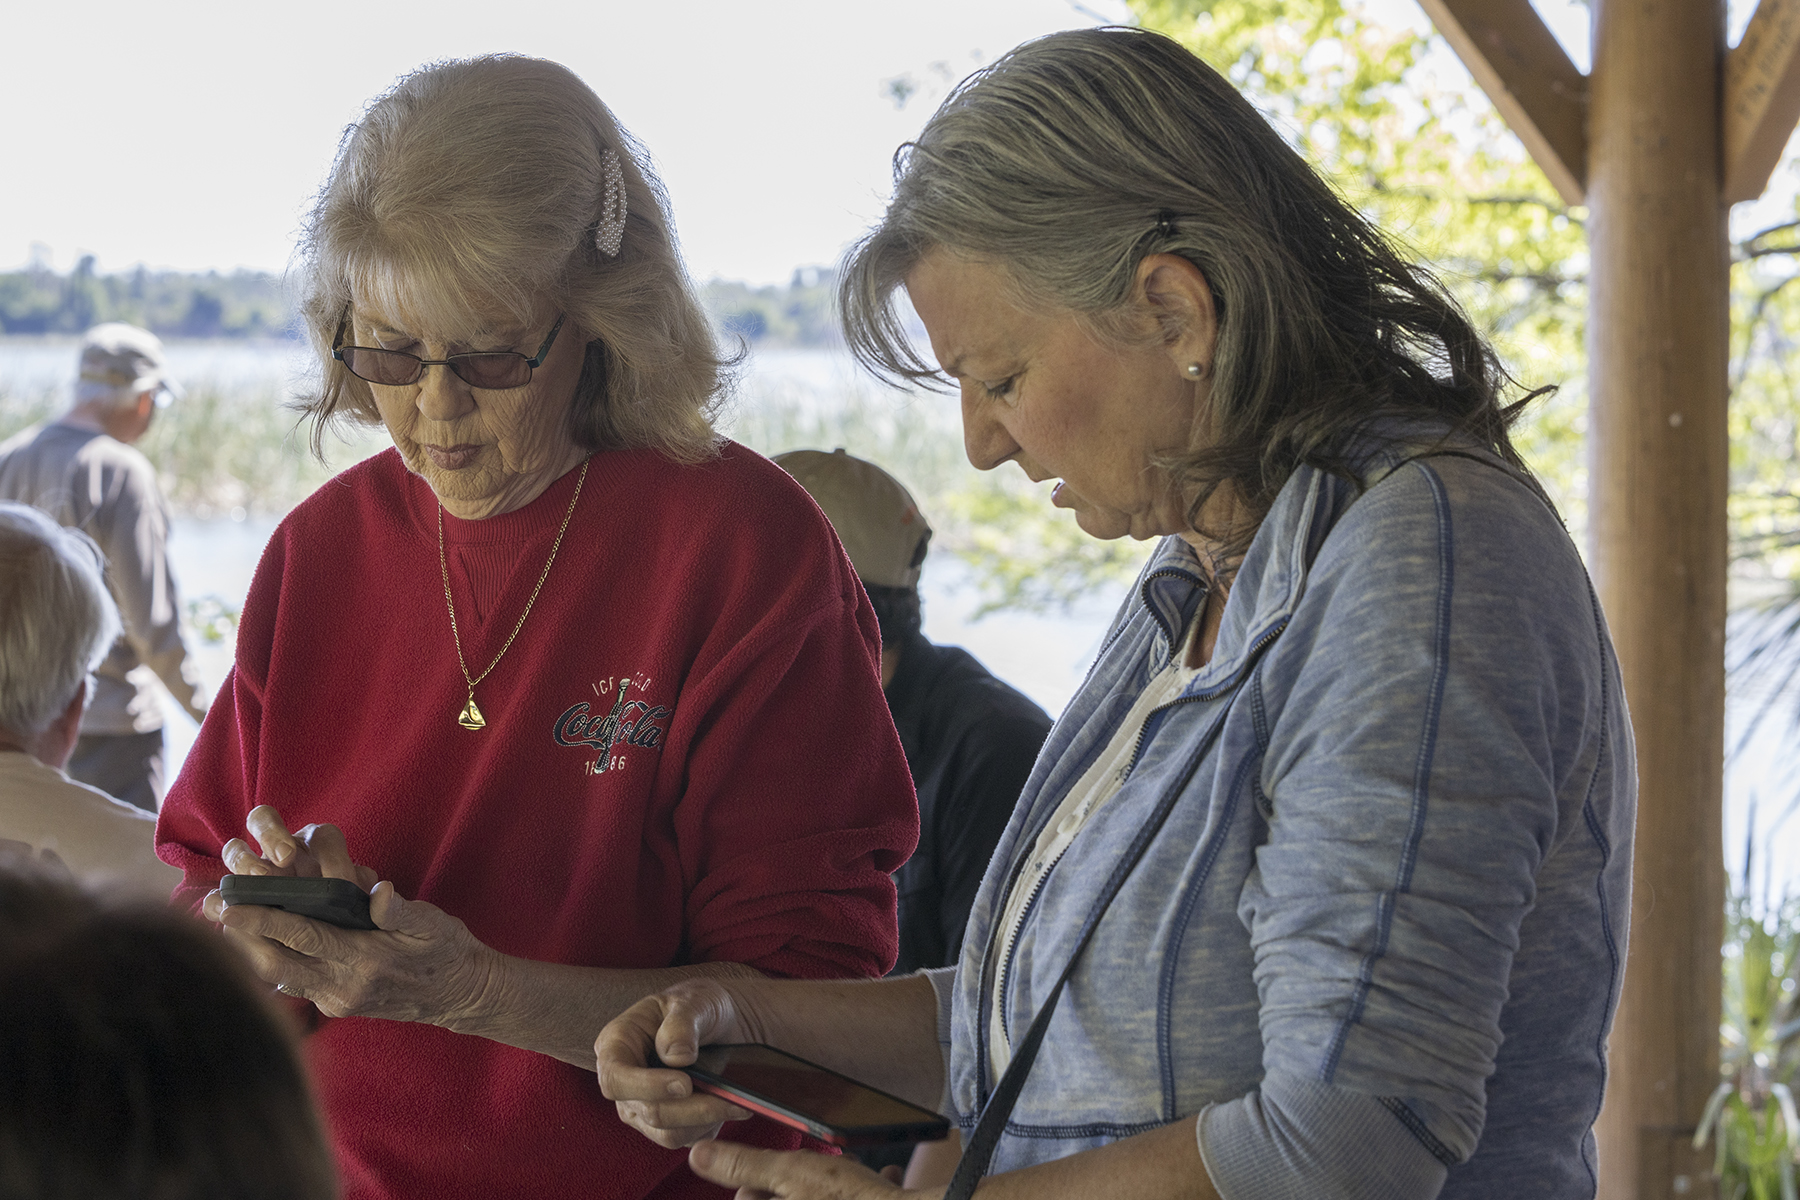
1319, 887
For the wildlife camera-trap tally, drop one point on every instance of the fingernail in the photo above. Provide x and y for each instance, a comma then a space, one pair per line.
680, 1050
281, 854
677, 1087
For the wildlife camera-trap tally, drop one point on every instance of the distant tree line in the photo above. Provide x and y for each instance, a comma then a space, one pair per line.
39, 300
804, 313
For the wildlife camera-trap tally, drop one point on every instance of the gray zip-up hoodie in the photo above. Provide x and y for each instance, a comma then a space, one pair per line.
1377, 944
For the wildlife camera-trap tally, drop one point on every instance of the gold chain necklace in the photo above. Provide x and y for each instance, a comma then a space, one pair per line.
470, 717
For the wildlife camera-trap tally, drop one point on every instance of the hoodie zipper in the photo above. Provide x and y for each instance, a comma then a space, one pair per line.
1004, 979
1003, 971
1255, 649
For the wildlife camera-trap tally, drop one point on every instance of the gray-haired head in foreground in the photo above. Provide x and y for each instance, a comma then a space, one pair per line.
1074, 157
468, 197
57, 620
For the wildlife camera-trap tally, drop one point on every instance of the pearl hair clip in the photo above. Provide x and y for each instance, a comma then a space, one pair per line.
610, 232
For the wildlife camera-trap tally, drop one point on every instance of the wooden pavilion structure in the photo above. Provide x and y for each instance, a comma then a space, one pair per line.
1658, 140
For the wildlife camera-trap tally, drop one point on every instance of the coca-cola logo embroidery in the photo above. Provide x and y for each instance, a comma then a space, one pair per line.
627, 723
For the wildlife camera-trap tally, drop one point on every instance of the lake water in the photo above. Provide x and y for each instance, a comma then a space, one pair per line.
1044, 656
32, 365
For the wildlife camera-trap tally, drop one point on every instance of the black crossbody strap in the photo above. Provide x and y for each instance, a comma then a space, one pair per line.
979, 1152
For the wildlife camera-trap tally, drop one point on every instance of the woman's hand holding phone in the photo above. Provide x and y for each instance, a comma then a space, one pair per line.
637, 1057
639, 1053
418, 964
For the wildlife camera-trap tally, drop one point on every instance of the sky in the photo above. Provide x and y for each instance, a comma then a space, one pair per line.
191, 134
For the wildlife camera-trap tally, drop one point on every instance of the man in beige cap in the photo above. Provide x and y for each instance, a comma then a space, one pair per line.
970, 739
83, 471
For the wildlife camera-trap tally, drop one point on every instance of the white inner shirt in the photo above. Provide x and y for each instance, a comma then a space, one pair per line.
1099, 784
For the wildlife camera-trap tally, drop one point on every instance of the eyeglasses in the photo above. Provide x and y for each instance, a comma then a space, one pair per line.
493, 370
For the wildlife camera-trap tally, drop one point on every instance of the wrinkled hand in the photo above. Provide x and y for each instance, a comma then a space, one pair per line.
672, 1025
314, 851
419, 964
793, 1174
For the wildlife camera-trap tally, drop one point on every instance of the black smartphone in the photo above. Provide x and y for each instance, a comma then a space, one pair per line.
334, 901
831, 1107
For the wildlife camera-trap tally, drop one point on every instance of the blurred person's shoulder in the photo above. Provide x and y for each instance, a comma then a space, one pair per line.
60, 444
90, 447
102, 841
950, 694
20, 440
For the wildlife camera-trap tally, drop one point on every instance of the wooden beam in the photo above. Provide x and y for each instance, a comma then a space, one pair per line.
1762, 97
1526, 73
1658, 355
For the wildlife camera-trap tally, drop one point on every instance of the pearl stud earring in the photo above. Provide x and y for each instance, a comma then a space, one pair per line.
1195, 370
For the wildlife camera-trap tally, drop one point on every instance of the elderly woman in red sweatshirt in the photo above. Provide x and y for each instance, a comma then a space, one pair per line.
583, 695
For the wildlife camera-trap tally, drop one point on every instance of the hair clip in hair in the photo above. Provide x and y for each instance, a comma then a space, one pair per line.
1165, 223
610, 232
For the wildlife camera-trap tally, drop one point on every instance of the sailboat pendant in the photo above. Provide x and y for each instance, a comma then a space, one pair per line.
471, 717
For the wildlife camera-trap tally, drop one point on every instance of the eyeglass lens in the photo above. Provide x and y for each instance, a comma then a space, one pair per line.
396, 368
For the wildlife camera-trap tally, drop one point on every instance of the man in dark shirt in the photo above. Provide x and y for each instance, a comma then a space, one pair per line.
970, 740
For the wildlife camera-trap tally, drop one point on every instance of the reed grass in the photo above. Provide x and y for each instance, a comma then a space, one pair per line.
220, 449
1022, 554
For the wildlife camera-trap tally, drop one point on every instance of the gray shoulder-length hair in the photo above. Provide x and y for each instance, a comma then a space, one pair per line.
57, 620
1074, 157
471, 192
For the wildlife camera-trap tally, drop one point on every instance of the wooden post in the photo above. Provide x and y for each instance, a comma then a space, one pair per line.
1526, 73
1658, 354
1762, 97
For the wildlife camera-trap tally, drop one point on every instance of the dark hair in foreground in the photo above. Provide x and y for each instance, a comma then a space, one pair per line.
138, 1058
1077, 155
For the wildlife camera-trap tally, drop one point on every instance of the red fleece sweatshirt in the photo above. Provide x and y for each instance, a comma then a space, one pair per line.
687, 758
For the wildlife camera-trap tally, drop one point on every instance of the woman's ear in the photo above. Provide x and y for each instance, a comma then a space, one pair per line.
1182, 305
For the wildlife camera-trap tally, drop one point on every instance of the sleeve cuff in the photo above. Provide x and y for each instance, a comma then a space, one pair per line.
1304, 1140
943, 985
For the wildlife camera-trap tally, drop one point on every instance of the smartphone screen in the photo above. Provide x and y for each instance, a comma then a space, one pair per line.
830, 1106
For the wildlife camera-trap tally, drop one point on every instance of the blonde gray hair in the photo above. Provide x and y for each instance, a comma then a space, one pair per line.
57, 620
468, 195
1070, 160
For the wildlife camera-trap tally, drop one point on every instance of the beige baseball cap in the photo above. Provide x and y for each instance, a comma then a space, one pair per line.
116, 356
880, 525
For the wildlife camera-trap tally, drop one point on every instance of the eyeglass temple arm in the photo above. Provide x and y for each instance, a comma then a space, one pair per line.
537, 360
